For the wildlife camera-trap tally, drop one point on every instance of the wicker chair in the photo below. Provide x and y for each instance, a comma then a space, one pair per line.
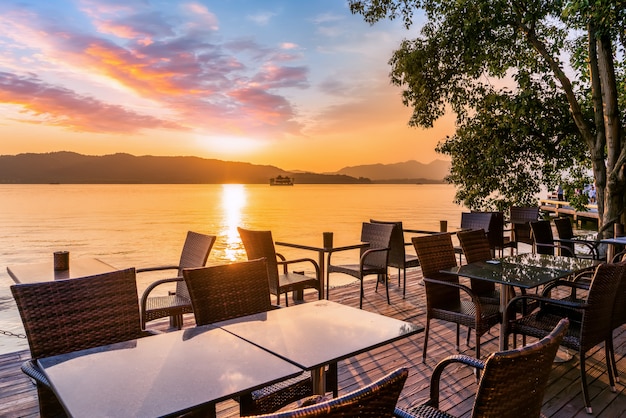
69, 315
475, 245
260, 244
378, 399
590, 321
223, 292
520, 218
569, 240
543, 240
474, 221
497, 240
398, 256
194, 254
443, 291
374, 258
512, 384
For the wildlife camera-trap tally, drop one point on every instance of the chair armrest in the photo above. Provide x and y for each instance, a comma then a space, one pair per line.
509, 312
565, 283
30, 368
157, 268
286, 263
470, 293
438, 371
152, 286
367, 253
618, 257
591, 245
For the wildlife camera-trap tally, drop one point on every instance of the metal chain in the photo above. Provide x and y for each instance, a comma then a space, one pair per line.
11, 334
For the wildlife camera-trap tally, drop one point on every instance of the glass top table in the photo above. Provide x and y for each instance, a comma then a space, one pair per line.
315, 334
162, 375
523, 270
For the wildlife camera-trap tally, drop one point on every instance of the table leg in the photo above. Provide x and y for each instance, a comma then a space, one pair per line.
319, 380
321, 259
506, 292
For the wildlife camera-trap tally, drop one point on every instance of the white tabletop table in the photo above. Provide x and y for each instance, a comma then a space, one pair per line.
163, 375
316, 334
45, 272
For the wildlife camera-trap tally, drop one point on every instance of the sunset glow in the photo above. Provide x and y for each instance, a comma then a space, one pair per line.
298, 85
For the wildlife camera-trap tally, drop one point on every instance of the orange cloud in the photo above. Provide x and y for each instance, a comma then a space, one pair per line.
62, 107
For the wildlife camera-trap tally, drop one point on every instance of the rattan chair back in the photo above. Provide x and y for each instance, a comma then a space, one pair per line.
436, 253
520, 218
398, 256
596, 324
397, 252
476, 248
260, 244
378, 399
543, 237
228, 291
513, 382
195, 253
476, 220
378, 236
69, 315
75, 314
565, 232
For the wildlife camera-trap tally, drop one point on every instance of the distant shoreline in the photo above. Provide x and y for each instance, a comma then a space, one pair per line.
56, 183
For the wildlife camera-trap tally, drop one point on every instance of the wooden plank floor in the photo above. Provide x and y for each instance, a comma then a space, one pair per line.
563, 397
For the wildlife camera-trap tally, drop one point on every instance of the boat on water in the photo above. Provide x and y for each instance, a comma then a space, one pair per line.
281, 181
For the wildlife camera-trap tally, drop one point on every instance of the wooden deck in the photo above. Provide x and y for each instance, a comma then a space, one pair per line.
563, 397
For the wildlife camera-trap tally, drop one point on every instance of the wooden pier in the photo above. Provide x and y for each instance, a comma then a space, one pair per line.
18, 396
561, 207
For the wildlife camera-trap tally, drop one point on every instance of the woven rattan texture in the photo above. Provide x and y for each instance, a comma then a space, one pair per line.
195, 253
70, 315
512, 383
377, 399
586, 331
443, 299
374, 258
260, 244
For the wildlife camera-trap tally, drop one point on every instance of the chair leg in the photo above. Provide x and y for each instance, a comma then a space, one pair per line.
361, 295
404, 285
399, 270
608, 354
612, 358
583, 382
387, 288
426, 328
458, 331
477, 371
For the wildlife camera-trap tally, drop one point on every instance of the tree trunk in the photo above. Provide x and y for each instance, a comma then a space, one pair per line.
614, 200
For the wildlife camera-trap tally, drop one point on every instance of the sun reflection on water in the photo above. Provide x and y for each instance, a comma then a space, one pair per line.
234, 199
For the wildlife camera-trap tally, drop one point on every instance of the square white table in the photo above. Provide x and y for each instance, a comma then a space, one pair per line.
162, 375
316, 334
45, 272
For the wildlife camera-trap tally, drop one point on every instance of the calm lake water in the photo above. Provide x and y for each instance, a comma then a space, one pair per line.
145, 225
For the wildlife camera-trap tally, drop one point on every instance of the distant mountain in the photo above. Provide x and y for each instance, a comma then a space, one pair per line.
400, 172
70, 167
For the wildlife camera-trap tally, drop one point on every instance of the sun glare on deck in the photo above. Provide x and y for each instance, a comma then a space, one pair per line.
233, 200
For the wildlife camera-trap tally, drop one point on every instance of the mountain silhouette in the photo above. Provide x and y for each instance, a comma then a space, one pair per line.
71, 167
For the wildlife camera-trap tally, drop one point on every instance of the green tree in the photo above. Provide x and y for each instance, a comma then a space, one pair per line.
560, 114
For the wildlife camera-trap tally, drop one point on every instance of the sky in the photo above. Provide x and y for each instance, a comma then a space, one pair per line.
301, 85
